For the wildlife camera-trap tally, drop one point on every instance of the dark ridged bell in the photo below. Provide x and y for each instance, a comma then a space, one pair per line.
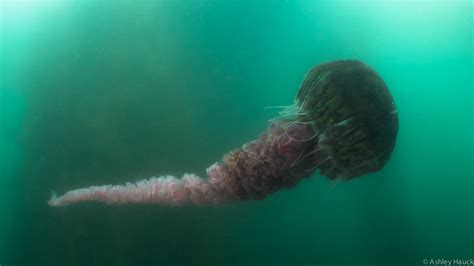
350, 108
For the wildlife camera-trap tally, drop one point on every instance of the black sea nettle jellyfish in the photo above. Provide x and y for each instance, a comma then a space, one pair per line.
343, 122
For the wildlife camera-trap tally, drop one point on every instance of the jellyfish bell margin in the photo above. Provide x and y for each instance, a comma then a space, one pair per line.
343, 122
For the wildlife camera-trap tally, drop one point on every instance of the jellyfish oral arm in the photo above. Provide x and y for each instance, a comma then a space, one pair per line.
270, 163
165, 190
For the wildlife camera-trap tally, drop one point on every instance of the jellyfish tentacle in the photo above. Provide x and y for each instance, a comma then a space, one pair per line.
319, 164
300, 159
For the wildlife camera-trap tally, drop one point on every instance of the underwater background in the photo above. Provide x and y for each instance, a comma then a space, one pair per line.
104, 92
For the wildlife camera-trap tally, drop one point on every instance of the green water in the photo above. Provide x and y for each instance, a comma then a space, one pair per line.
101, 92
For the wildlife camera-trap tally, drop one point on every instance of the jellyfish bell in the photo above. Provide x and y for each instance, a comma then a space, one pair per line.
351, 109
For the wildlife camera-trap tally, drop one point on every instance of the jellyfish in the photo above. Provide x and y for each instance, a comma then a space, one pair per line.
343, 123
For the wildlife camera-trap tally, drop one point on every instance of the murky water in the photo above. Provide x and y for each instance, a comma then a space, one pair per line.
101, 92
